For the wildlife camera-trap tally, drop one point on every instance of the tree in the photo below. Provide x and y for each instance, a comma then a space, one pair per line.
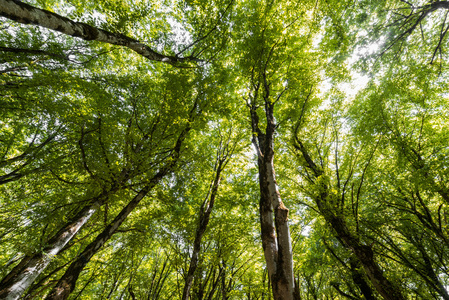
111, 118
24, 13
224, 153
67, 282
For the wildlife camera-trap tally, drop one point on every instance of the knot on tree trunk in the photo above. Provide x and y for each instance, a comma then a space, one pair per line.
282, 212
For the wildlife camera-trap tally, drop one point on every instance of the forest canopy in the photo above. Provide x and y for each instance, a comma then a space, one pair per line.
226, 149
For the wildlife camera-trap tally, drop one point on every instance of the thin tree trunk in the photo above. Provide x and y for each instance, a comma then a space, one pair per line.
27, 14
366, 257
23, 275
41, 286
430, 272
224, 292
205, 211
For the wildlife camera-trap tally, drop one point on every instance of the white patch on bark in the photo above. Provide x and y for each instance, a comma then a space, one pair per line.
37, 265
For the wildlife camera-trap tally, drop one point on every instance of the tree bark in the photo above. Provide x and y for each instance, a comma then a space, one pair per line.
366, 257
205, 211
275, 232
23, 275
67, 282
430, 272
27, 14
359, 279
364, 253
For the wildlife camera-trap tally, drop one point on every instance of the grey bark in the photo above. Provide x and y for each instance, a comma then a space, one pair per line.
67, 282
275, 231
23, 275
27, 14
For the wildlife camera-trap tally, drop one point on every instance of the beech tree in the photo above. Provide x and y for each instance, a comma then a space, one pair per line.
119, 120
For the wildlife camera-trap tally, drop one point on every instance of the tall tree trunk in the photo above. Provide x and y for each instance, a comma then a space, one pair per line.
366, 257
204, 216
333, 217
224, 291
67, 282
432, 276
27, 14
23, 275
275, 232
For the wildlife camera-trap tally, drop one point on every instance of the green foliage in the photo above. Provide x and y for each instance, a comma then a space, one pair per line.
79, 119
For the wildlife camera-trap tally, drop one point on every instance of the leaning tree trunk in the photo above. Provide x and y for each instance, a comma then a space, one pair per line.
364, 253
67, 282
23, 275
27, 14
275, 232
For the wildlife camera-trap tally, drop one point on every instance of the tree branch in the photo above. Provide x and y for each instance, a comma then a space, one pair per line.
27, 14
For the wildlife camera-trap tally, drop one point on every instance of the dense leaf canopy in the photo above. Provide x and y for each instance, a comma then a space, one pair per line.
145, 147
